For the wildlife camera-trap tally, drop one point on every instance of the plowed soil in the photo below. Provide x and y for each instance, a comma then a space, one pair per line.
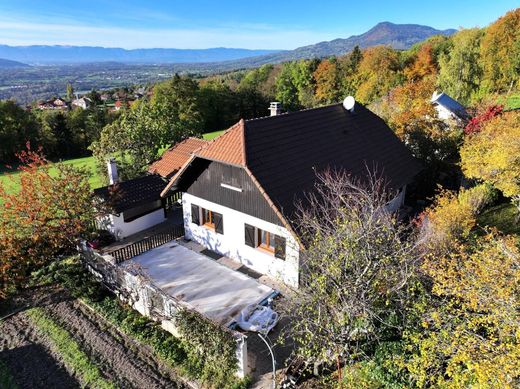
122, 360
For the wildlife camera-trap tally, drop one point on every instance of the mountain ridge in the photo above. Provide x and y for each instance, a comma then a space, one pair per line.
399, 36
9, 64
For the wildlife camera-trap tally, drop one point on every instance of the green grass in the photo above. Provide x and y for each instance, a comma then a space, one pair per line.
89, 163
12, 184
6, 379
69, 349
502, 217
212, 135
513, 101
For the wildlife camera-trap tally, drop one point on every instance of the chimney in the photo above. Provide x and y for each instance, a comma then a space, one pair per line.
275, 108
112, 171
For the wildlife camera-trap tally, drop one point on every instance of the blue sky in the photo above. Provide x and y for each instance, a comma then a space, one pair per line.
247, 23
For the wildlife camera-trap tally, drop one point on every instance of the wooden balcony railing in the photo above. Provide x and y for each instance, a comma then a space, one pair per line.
146, 244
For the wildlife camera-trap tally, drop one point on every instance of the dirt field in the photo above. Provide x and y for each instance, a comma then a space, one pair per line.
33, 363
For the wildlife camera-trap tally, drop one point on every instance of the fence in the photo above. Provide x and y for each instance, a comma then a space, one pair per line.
146, 244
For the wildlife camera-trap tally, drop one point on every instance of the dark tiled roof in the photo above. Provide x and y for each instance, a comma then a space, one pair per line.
131, 193
284, 152
175, 157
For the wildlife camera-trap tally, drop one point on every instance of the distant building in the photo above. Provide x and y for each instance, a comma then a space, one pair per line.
448, 108
83, 102
54, 104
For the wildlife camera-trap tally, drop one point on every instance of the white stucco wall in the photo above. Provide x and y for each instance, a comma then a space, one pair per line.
117, 226
232, 242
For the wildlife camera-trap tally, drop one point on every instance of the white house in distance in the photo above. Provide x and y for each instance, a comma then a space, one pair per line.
448, 108
82, 102
239, 191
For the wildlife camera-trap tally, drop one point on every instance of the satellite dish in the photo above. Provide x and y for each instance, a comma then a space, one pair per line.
349, 103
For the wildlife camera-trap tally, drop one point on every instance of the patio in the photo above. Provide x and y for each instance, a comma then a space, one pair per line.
211, 288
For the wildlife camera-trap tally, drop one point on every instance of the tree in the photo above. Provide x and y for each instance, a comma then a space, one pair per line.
140, 133
378, 72
328, 81
219, 105
500, 53
356, 267
17, 126
460, 71
469, 330
492, 154
42, 220
295, 84
70, 91
423, 64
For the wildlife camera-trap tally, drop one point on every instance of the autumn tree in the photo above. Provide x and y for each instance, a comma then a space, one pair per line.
378, 72
500, 51
422, 65
327, 79
43, 219
460, 71
492, 154
356, 267
468, 333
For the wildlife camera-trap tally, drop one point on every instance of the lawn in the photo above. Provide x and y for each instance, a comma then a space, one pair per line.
95, 179
503, 217
11, 183
212, 135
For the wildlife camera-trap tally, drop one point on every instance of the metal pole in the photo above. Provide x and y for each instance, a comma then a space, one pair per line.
272, 357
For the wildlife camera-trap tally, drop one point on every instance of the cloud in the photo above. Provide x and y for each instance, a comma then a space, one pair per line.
253, 36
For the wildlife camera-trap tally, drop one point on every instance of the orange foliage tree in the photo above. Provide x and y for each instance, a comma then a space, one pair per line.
44, 219
327, 81
423, 65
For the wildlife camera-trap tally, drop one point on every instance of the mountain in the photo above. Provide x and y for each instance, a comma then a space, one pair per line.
56, 55
399, 36
8, 64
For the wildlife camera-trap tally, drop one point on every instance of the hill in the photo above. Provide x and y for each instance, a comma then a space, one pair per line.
56, 55
8, 64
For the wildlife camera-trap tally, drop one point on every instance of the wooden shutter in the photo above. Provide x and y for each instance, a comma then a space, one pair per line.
249, 235
218, 220
195, 217
279, 247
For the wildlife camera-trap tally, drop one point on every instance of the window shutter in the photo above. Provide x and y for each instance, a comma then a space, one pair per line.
279, 247
249, 235
219, 223
195, 217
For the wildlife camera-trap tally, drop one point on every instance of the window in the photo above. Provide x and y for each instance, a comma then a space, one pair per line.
207, 218
265, 241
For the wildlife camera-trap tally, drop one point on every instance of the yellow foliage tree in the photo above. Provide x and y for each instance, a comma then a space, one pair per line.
500, 53
492, 155
469, 336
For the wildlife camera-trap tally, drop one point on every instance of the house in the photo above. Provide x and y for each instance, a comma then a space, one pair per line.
130, 206
135, 205
83, 103
448, 108
239, 191
53, 104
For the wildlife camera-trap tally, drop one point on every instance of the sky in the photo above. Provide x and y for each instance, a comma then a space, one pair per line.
279, 24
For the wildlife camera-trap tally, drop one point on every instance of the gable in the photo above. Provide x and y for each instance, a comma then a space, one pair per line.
227, 185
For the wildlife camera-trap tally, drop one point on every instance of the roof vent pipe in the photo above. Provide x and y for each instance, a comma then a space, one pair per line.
275, 108
113, 177
349, 103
